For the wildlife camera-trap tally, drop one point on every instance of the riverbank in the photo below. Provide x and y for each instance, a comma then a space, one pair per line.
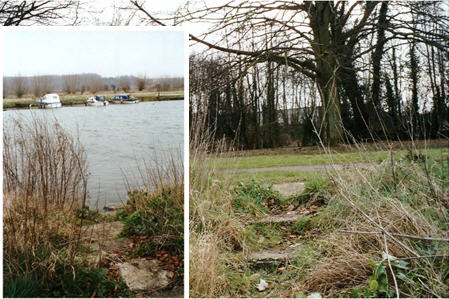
54, 245
74, 100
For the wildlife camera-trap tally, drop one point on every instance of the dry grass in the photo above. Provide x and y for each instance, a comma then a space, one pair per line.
206, 273
214, 229
44, 181
406, 197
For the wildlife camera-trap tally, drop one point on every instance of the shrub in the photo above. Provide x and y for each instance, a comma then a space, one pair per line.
158, 216
156, 212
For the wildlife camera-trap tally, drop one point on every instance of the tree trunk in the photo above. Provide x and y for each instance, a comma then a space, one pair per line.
378, 53
320, 19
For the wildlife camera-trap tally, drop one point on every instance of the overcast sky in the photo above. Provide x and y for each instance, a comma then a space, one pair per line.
108, 53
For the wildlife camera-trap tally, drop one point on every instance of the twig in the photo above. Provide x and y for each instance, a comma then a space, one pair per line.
395, 234
392, 170
388, 257
428, 289
377, 225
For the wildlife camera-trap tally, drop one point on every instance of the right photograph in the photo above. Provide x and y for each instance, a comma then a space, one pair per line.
319, 161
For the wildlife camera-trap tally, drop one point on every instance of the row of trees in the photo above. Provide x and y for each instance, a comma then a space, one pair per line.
81, 83
282, 70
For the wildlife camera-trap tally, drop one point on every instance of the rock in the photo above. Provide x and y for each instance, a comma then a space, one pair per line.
144, 275
262, 285
278, 256
288, 189
268, 256
283, 218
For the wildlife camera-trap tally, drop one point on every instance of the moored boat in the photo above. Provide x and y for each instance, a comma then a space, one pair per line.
97, 100
131, 101
124, 99
50, 100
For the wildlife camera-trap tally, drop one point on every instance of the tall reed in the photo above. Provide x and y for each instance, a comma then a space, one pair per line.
44, 182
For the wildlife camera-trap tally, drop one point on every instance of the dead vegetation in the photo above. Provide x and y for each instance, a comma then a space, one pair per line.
44, 183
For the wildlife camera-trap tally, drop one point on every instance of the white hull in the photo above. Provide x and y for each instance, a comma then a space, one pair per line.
130, 102
98, 104
50, 105
50, 100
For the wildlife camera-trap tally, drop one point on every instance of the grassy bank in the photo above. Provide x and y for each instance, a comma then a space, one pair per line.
344, 241
71, 100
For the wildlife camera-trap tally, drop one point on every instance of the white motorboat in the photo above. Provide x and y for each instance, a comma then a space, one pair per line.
97, 101
50, 100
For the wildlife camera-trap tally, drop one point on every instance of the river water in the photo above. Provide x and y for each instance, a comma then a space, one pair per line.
117, 139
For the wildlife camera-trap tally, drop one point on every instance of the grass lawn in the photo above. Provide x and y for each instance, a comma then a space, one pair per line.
313, 159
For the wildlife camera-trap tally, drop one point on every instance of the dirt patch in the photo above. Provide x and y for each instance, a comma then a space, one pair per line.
108, 229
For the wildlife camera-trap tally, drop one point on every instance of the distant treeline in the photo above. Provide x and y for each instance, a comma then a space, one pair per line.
39, 85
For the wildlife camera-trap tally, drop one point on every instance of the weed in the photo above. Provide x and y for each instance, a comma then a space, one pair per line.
159, 217
254, 198
91, 216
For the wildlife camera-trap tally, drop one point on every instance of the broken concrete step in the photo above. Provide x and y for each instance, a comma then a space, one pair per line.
144, 275
289, 189
282, 218
269, 256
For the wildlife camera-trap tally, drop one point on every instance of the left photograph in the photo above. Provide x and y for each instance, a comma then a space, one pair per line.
93, 170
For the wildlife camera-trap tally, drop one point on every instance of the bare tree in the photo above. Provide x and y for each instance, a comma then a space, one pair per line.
124, 84
41, 85
47, 84
38, 12
36, 86
19, 86
327, 41
141, 82
70, 83
95, 83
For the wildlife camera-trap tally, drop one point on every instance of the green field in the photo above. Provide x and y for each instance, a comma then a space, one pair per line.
262, 161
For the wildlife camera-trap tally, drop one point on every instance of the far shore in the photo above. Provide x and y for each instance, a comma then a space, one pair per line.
76, 100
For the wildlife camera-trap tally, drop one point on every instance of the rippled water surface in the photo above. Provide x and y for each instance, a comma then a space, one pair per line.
117, 138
